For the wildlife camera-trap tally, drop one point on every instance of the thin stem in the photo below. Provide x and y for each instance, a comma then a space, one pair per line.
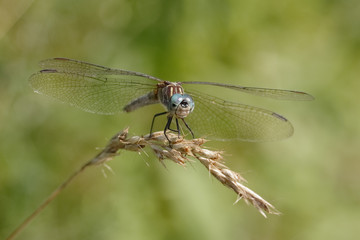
48, 200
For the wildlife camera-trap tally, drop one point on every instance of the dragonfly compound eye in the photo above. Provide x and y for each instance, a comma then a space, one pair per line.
188, 102
175, 101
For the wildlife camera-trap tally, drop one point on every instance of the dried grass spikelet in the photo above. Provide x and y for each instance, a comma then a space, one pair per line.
179, 152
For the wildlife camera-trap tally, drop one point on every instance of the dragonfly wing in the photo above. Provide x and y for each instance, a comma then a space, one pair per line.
90, 87
279, 94
73, 66
222, 120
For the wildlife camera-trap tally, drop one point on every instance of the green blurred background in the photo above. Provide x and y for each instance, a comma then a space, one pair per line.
312, 177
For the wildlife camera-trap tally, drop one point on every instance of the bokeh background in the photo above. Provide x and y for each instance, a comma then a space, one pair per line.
312, 177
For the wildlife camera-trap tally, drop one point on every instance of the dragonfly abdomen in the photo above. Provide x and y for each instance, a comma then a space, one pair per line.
144, 100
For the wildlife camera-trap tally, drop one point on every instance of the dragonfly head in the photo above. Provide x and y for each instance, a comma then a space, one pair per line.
181, 105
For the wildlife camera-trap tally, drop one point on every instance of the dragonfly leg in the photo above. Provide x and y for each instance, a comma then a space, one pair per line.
187, 126
177, 127
167, 127
152, 123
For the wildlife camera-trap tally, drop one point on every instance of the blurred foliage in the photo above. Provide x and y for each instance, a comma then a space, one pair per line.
312, 178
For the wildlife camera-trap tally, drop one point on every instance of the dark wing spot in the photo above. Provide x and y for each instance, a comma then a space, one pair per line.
280, 117
62, 59
48, 71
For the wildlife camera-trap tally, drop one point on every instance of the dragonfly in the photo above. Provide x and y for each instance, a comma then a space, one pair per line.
102, 90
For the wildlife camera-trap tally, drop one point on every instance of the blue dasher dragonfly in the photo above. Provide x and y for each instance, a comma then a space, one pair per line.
104, 90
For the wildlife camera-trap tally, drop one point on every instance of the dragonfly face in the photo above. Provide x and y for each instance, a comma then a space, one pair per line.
181, 105
103, 90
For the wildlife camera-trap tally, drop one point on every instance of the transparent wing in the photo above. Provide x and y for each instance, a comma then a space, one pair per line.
90, 87
222, 120
79, 67
264, 92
